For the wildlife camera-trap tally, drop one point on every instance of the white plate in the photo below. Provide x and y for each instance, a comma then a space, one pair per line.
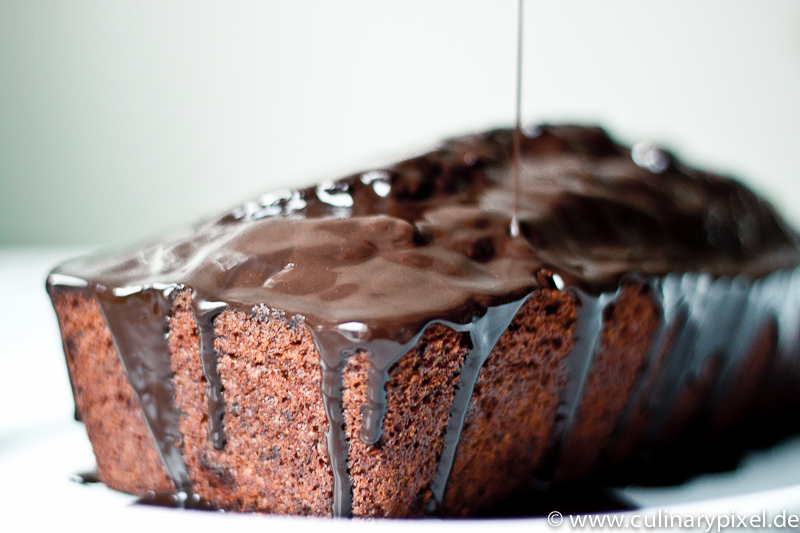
42, 448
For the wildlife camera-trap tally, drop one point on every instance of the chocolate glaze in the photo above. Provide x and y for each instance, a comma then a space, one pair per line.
139, 322
369, 261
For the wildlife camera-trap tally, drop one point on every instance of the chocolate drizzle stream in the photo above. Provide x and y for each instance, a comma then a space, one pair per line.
369, 261
514, 227
587, 342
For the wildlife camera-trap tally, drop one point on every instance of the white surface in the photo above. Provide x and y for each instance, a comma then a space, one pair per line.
209, 103
41, 447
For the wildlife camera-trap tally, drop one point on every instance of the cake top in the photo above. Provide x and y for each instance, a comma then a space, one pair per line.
382, 253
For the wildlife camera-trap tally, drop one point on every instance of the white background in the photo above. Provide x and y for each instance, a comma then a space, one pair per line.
119, 119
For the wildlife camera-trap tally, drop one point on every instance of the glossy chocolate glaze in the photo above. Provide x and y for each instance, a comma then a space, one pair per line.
369, 261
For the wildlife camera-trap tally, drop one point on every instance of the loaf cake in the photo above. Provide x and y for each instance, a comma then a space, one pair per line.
381, 345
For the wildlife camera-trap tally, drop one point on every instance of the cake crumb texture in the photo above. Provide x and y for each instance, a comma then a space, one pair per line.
392, 477
275, 459
513, 407
628, 327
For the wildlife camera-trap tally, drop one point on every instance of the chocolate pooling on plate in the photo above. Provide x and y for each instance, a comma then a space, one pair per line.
369, 261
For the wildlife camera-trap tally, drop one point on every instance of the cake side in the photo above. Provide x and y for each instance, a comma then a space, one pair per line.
629, 325
728, 351
125, 450
502, 443
714, 417
392, 477
513, 407
275, 458
631, 429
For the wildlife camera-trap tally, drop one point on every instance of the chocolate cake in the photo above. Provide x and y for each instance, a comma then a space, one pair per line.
381, 345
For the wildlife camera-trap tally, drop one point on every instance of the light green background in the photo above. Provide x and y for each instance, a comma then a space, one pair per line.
121, 119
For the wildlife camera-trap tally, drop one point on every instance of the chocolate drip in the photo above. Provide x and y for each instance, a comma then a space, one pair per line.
138, 322
483, 334
709, 322
338, 448
335, 345
682, 357
588, 329
204, 313
369, 261
587, 343
712, 308
375, 410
